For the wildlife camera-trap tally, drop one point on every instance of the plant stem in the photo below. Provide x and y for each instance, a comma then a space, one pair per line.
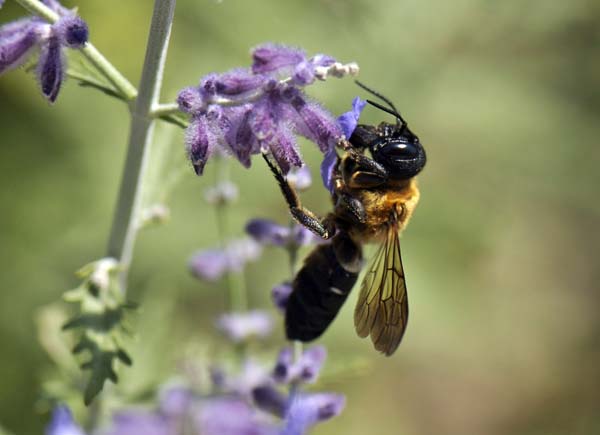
125, 88
125, 222
236, 289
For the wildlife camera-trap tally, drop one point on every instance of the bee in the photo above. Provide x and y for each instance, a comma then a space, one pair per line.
373, 199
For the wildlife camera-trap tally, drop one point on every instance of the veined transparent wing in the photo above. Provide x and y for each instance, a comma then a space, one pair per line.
382, 307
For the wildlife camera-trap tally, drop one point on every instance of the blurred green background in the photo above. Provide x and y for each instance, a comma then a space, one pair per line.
501, 256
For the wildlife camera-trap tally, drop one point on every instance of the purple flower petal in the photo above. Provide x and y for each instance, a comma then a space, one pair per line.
17, 41
270, 57
141, 422
232, 416
72, 31
270, 399
238, 81
349, 120
62, 423
200, 142
268, 232
209, 265
285, 150
190, 101
51, 68
311, 362
240, 327
300, 177
306, 369
328, 168
175, 401
280, 295
304, 74
316, 123
241, 251
305, 410
238, 134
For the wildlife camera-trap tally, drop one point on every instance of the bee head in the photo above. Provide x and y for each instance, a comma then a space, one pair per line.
392, 145
398, 150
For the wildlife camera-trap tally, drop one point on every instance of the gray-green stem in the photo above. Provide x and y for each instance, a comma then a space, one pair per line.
125, 88
125, 221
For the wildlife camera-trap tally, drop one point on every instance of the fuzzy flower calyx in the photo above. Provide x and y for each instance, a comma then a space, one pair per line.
261, 109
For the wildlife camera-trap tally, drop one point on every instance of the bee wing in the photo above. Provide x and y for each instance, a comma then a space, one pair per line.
382, 308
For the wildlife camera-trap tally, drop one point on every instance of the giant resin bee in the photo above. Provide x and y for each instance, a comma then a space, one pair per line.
373, 199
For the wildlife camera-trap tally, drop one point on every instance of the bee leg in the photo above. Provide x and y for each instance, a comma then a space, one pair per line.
360, 171
322, 228
351, 207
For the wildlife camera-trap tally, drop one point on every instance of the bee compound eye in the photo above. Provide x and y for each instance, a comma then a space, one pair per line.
400, 150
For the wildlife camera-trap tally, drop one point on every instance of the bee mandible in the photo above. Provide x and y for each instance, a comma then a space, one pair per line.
373, 199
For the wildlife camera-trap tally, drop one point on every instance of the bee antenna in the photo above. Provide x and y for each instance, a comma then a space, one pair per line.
393, 112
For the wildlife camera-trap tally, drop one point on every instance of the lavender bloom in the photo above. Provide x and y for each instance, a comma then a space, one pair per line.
306, 369
72, 31
240, 327
212, 264
232, 416
305, 410
141, 422
267, 232
262, 108
349, 120
270, 399
280, 295
62, 423
17, 39
51, 68
272, 57
209, 265
328, 168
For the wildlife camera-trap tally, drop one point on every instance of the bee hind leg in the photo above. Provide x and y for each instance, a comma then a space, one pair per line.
305, 217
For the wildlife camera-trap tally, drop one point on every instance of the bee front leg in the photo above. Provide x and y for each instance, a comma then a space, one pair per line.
362, 172
321, 227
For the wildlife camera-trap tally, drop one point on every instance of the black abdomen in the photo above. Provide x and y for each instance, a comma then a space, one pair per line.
319, 291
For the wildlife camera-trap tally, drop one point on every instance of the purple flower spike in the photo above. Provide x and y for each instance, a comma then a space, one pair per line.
349, 120
62, 423
280, 295
305, 410
268, 232
209, 265
240, 327
283, 366
72, 31
300, 178
270, 57
17, 40
327, 169
51, 68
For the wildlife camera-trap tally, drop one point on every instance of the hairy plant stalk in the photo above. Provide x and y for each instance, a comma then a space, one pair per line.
126, 218
121, 84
